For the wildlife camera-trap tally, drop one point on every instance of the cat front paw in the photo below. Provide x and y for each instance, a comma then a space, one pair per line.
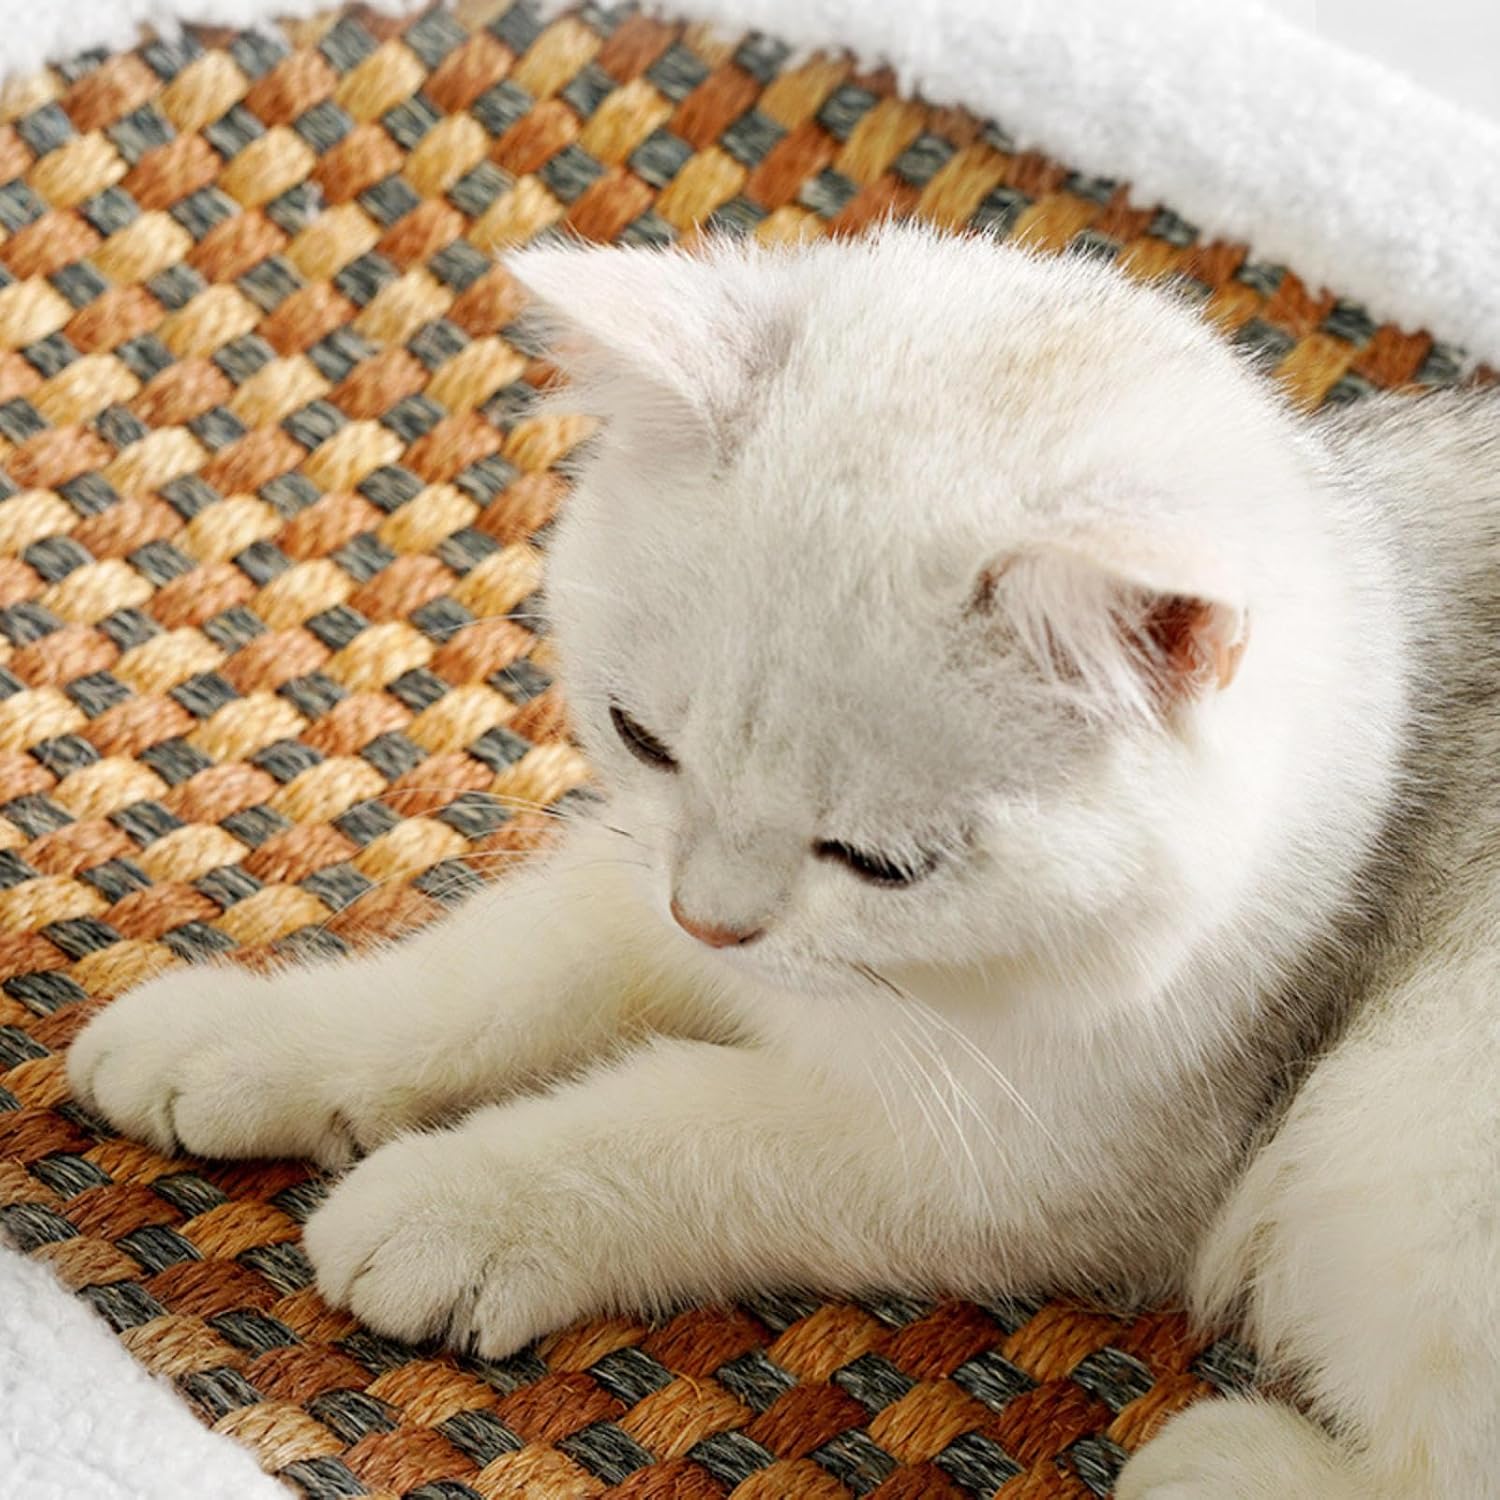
1239, 1449
213, 1062
436, 1235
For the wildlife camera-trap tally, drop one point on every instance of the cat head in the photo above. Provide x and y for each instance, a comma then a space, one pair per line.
917, 604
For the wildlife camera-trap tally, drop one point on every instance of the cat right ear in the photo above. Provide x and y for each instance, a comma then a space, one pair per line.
656, 339
1138, 631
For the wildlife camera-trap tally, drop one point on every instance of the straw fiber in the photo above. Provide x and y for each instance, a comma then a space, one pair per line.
272, 505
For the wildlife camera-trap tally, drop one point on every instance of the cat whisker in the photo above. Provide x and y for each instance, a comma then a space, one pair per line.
961, 1093
523, 804
873, 1071
442, 890
969, 1046
914, 1081
520, 617
954, 1120
971, 1049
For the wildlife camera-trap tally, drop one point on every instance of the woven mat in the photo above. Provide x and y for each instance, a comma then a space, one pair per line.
272, 504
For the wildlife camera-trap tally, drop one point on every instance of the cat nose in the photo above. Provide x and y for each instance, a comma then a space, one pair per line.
715, 937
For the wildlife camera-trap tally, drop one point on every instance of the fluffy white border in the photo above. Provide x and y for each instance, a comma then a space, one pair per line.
80, 1418
1230, 115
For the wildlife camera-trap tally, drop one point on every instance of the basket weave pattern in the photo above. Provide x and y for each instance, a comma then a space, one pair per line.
271, 682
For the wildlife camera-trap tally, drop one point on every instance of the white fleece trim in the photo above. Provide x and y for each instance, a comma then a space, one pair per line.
1231, 116
80, 1418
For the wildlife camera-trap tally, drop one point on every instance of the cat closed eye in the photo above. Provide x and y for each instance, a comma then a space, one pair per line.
640, 741
877, 869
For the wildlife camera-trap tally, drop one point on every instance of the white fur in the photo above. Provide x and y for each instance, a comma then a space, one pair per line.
1368, 1233
871, 545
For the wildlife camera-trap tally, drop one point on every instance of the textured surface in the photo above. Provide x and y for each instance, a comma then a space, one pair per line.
271, 678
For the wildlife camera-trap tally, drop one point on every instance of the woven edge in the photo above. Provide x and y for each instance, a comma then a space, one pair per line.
1182, 77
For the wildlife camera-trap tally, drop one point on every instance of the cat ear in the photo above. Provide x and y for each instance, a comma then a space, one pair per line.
1121, 623
657, 339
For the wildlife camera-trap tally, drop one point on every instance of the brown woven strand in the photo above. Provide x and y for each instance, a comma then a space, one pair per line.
272, 682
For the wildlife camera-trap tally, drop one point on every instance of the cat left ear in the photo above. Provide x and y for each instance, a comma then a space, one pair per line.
1121, 628
646, 309
659, 337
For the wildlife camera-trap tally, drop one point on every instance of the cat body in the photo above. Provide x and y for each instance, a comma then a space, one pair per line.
1051, 841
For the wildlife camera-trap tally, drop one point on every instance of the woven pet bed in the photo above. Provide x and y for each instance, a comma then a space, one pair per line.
270, 668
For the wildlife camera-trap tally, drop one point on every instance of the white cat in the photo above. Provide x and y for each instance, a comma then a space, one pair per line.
1052, 841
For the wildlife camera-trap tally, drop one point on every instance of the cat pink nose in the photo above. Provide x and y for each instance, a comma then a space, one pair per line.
715, 937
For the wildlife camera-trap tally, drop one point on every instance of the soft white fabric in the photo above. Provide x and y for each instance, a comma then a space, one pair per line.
1230, 115
79, 1417
1448, 46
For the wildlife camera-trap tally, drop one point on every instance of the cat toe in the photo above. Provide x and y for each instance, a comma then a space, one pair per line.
417, 1246
181, 1067
118, 1069
1238, 1449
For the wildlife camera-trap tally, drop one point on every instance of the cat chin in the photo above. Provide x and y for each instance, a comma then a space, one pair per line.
803, 979
778, 977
